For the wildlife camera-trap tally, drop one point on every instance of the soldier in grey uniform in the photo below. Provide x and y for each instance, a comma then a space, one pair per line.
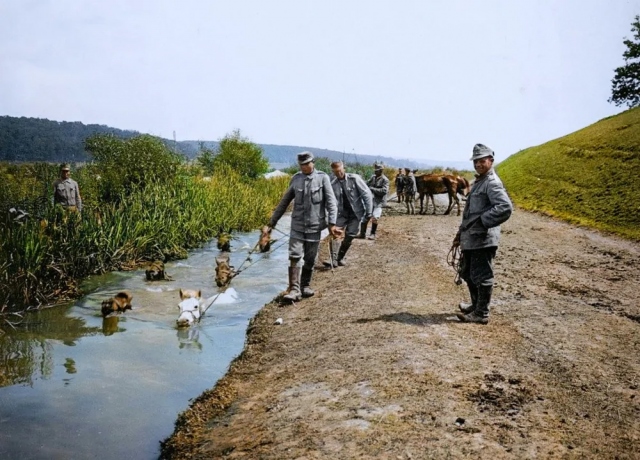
400, 185
355, 205
66, 192
487, 206
379, 186
314, 206
410, 189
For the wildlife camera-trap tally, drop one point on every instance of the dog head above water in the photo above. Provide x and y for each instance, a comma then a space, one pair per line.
118, 303
155, 272
265, 239
190, 308
224, 271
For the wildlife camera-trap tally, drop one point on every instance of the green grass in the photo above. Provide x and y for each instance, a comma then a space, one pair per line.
588, 178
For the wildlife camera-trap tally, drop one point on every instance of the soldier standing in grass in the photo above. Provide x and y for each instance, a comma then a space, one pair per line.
486, 208
66, 192
314, 207
379, 186
355, 205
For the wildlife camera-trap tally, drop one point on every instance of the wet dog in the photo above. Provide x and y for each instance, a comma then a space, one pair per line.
190, 308
224, 271
117, 304
155, 272
224, 242
264, 243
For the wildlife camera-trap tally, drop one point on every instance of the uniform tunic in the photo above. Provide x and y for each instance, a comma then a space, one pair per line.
67, 193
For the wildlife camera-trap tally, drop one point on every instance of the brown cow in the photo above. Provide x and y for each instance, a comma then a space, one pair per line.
434, 184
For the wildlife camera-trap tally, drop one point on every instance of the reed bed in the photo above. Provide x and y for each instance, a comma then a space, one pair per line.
43, 259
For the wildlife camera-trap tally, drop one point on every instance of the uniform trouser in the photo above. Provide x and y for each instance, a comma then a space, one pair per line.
476, 266
301, 249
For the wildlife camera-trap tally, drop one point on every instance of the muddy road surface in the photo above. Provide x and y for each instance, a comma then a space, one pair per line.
376, 365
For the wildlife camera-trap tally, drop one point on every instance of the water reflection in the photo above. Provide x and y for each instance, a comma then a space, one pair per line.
110, 325
188, 338
26, 353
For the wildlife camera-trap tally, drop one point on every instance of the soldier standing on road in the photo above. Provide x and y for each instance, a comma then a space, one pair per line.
487, 207
379, 186
66, 192
410, 189
400, 185
355, 205
314, 205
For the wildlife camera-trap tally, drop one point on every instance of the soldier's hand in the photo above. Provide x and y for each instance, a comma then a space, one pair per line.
456, 240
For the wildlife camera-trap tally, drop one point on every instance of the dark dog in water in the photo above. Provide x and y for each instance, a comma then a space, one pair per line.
224, 242
117, 304
155, 272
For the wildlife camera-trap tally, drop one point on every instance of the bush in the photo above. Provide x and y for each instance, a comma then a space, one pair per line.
239, 154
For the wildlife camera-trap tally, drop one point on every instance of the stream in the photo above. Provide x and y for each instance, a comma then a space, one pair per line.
75, 385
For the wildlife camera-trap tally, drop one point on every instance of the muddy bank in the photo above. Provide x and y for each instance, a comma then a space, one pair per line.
377, 366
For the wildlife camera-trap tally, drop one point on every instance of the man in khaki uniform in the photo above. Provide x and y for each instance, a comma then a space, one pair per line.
66, 192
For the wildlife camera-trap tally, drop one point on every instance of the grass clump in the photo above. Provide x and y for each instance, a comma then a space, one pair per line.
589, 177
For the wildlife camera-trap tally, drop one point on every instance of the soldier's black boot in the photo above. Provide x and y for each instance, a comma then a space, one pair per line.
294, 293
481, 313
333, 248
473, 293
363, 231
372, 235
344, 247
305, 281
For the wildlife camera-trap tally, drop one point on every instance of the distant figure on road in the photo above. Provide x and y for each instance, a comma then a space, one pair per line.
379, 186
486, 208
66, 192
400, 185
410, 189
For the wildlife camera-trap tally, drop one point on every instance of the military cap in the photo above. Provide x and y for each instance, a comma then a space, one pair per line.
481, 151
378, 167
65, 167
304, 158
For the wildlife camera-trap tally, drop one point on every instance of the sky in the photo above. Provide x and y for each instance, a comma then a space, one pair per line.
417, 79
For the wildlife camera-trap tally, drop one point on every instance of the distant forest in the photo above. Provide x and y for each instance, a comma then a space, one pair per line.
38, 139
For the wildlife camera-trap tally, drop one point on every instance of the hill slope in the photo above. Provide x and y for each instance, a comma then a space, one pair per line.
589, 177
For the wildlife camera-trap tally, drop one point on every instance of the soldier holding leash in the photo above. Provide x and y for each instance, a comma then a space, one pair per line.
355, 205
314, 206
487, 207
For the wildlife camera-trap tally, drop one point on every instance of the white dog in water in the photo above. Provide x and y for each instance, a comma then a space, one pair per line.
190, 308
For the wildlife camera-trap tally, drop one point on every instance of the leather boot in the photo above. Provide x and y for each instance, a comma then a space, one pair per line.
305, 281
294, 293
334, 254
344, 247
481, 313
363, 231
473, 293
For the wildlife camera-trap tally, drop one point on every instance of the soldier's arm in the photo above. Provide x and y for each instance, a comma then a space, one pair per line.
365, 195
331, 203
501, 207
281, 208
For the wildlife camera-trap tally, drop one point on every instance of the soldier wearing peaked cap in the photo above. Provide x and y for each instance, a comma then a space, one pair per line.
379, 186
314, 208
487, 207
66, 192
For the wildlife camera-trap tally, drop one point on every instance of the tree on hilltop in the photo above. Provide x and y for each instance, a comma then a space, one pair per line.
625, 86
242, 155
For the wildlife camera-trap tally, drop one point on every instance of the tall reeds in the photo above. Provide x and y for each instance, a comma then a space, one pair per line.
43, 258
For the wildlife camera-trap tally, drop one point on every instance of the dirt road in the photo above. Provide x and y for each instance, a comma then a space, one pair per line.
377, 366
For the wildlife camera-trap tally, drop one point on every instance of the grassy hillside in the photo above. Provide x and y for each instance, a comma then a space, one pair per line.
590, 177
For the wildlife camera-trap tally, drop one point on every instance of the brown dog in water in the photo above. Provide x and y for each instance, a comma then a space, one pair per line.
264, 243
224, 271
118, 303
155, 272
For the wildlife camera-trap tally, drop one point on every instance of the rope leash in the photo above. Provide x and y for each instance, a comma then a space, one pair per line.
240, 269
454, 259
